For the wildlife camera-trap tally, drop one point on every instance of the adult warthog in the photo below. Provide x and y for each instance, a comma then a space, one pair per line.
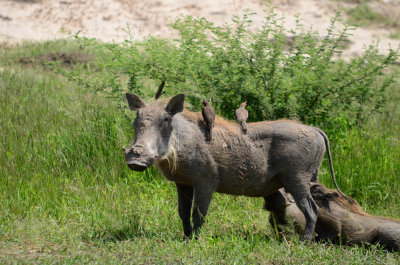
270, 156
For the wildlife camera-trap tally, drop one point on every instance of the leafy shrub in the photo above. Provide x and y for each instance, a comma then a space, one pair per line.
281, 73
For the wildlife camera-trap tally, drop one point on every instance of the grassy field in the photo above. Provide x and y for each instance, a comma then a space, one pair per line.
66, 195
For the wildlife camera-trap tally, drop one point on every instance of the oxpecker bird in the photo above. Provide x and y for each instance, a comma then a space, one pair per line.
209, 118
242, 115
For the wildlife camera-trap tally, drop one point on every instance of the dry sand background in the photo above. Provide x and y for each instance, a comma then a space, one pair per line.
106, 19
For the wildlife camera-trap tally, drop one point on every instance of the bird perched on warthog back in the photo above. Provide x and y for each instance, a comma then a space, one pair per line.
208, 113
339, 220
241, 116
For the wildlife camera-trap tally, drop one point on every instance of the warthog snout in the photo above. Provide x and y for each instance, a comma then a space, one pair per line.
135, 160
136, 166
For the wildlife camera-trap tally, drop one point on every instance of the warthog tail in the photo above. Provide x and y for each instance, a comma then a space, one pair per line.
328, 151
244, 126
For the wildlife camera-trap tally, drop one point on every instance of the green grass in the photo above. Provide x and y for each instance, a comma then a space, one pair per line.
66, 195
362, 14
395, 34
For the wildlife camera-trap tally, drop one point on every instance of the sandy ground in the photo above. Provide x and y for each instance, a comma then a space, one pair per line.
106, 19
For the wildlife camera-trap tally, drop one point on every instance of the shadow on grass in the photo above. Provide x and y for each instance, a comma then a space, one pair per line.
134, 230
246, 236
62, 58
130, 231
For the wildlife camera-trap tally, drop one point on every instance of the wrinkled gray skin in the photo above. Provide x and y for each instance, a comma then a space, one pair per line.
272, 155
339, 221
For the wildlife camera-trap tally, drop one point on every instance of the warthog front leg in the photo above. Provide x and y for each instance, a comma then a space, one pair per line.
185, 197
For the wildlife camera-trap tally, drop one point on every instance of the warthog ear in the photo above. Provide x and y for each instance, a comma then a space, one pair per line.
134, 102
175, 105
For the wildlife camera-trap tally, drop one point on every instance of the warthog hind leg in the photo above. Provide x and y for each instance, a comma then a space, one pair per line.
310, 211
202, 199
300, 190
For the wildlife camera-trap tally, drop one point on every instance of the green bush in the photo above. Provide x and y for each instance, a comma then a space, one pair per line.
281, 73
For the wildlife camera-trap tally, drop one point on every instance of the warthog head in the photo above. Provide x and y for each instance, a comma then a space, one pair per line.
153, 128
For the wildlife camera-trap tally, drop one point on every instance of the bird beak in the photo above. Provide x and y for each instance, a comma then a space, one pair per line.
245, 103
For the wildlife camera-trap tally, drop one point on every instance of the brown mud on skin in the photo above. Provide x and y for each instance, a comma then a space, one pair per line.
64, 59
339, 221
